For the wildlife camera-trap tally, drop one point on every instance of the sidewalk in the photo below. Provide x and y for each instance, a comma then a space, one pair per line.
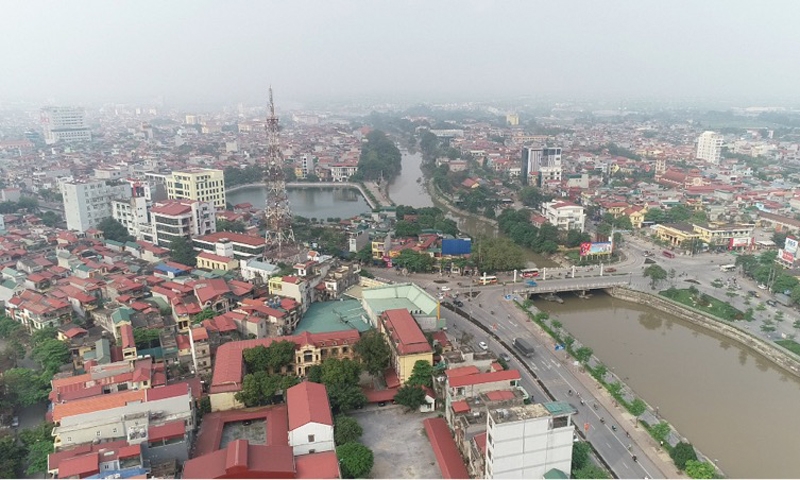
638, 435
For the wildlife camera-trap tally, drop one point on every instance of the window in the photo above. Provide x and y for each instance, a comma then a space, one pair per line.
98, 433
311, 439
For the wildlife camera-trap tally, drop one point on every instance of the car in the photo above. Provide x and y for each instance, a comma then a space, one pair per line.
483, 345
505, 357
761, 286
772, 303
458, 303
382, 404
445, 288
753, 293
610, 270
15, 422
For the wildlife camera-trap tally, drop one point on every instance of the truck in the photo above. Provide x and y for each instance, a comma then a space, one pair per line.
523, 346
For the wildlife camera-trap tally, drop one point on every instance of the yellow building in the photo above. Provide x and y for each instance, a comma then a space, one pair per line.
406, 341
732, 235
676, 233
636, 215
202, 184
209, 261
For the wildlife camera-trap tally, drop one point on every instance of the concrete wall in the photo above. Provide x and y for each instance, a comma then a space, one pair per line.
323, 438
772, 352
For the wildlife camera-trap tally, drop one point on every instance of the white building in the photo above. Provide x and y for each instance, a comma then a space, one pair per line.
132, 214
564, 215
342, 173
203, 184
87, 204
310, 419
528, 441
173, 219
541, 165
64, 123
709, 147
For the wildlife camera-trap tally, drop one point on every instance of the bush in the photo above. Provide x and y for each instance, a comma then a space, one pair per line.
682, 453
346, 430
637, 407
355, 460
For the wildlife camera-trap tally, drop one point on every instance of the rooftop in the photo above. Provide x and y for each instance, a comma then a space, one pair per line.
333, 317
522, 412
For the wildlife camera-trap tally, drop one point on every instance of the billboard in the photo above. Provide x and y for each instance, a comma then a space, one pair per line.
791, 245
786, 256
739, 242
596, 248
456, 246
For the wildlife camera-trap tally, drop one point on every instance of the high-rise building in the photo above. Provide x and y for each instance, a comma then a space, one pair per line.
709, 147
86, 204
65, 123
173, 219
529, 441
541, 165
201, 184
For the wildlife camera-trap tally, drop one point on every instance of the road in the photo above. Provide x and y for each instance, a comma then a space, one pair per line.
557, 372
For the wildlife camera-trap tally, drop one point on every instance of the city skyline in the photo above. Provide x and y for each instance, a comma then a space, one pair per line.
210, 52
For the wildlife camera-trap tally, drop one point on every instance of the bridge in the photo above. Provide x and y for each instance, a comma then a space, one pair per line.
574, 285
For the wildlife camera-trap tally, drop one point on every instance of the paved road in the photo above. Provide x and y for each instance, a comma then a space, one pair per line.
557, 372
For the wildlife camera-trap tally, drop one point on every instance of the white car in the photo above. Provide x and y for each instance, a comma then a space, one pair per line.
445, 288
483, 345
761, 286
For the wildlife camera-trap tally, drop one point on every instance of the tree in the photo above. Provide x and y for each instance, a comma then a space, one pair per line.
11, 455
380, 158
113, 230
51, 354
580, 455
340, 371
574, 238
421, 374
374, 352
414, 261
10, 328
355, 460
24, 387
583, 354
181, 251
590, 471
638, 407
697, 469
37, 457
410, 396
682, 453
50, 218
262, 388
345, 397
655, 215
14, 351
272, 358
145, 336
346, 429
39, 336
406, 229
660, 431
533, 197
656, 273
228, 226
498, 254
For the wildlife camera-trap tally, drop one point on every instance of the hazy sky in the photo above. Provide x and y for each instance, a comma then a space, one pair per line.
230, 51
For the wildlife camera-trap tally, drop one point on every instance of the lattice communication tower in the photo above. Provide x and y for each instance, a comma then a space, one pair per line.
278, 213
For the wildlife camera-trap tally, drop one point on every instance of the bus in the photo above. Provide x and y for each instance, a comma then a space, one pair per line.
488, 280
529, 272
728, 268
668, 254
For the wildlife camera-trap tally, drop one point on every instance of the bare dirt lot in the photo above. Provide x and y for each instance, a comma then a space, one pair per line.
398, 440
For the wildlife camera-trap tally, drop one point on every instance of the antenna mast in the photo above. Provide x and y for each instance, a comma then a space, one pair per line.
277, 212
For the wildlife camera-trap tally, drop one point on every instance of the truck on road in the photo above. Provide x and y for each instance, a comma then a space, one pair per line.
523, 346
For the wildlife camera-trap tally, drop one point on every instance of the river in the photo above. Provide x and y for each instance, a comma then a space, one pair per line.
735, 406
310, 202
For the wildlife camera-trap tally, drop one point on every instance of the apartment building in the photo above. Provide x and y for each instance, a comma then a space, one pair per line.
709, 147
66, 124
564, 215
86, 204
201, 184
541, 165
231, 244
36, 311
173, 219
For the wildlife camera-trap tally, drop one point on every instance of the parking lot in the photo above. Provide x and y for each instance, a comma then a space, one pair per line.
398, 440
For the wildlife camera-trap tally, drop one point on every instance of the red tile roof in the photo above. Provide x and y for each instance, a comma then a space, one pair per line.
500, 395
276, 423
317, 465
308, 403
82, 466
461, 371
460, 406
242, 460
405, 332
167, 431
215, 258
505, 375
480, 442
233, 237
172, 208
450, 462
376, 396
126, 334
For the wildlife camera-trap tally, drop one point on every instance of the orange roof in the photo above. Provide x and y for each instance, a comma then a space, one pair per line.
308, 403
444, 447
93, 404
317, 465
505, 375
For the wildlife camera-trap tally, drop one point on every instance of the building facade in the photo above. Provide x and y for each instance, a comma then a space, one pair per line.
86, 204
201, 184
174, 219
564, 215
66, 124
541, 165
709, 147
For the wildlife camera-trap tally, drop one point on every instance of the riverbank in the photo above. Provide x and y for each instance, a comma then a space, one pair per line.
373, 203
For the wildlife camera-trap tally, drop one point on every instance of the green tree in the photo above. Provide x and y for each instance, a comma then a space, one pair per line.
11, 456
406, 229
656, 215
638, 407
414, 261
410, 396
228, 226
272, 358
374, 352
37, 457
355, 460
421, 374
583, 354
380, 158
533, 197
340, 371
679, 213
696, 469
262, 388
590, 471
661, 431
14, 351
345, 397
144, 337
39, 336
682, 453
498, 254
656, 273
574, 238
181, 251
51, 354
580, 455
50, 218
24, 387
113, 230
346, 429
10, 328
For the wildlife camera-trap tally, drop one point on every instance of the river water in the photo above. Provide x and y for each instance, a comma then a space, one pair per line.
732, 404
310, 202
